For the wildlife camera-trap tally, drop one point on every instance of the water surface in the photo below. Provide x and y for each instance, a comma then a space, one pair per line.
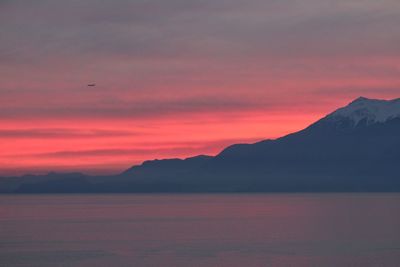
200, 230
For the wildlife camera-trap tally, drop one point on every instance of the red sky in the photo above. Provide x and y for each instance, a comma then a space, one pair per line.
180, 78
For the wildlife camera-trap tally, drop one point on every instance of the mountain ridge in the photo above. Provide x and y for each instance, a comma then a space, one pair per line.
356, 152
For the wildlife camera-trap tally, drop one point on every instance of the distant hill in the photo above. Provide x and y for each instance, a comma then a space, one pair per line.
354, 149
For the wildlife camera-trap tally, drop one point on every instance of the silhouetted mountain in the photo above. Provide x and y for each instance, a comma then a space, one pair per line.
48, 183
342, 151
355, 148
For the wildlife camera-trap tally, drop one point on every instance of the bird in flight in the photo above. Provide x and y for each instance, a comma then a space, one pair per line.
91, 84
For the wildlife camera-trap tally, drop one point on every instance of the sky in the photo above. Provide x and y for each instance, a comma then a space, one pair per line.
179, 78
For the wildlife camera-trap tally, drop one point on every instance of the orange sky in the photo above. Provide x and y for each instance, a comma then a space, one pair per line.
180, 78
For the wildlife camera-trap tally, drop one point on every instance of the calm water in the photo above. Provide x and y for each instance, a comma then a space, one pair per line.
200, 230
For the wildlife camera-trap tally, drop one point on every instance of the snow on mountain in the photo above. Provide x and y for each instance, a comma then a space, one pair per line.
371, 110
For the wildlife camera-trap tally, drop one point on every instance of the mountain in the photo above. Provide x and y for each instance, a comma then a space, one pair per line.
355, 148
368, 110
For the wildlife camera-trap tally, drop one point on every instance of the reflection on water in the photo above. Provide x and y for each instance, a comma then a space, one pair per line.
200, 230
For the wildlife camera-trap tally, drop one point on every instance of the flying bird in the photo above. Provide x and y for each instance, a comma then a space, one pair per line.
91, 84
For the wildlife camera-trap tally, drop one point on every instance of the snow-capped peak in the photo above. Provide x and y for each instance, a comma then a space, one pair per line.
371, 110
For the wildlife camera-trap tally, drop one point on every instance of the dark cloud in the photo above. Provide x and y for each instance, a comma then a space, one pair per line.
165, 148
373, 92
160, 30
62, 133
50, 47
141, 109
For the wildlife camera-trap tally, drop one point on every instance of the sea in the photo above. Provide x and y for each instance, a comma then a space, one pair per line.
243, 230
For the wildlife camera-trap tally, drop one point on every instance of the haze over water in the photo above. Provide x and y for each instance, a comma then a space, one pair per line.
200, 230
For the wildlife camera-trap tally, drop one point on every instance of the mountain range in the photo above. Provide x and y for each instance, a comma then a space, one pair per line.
353, 149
